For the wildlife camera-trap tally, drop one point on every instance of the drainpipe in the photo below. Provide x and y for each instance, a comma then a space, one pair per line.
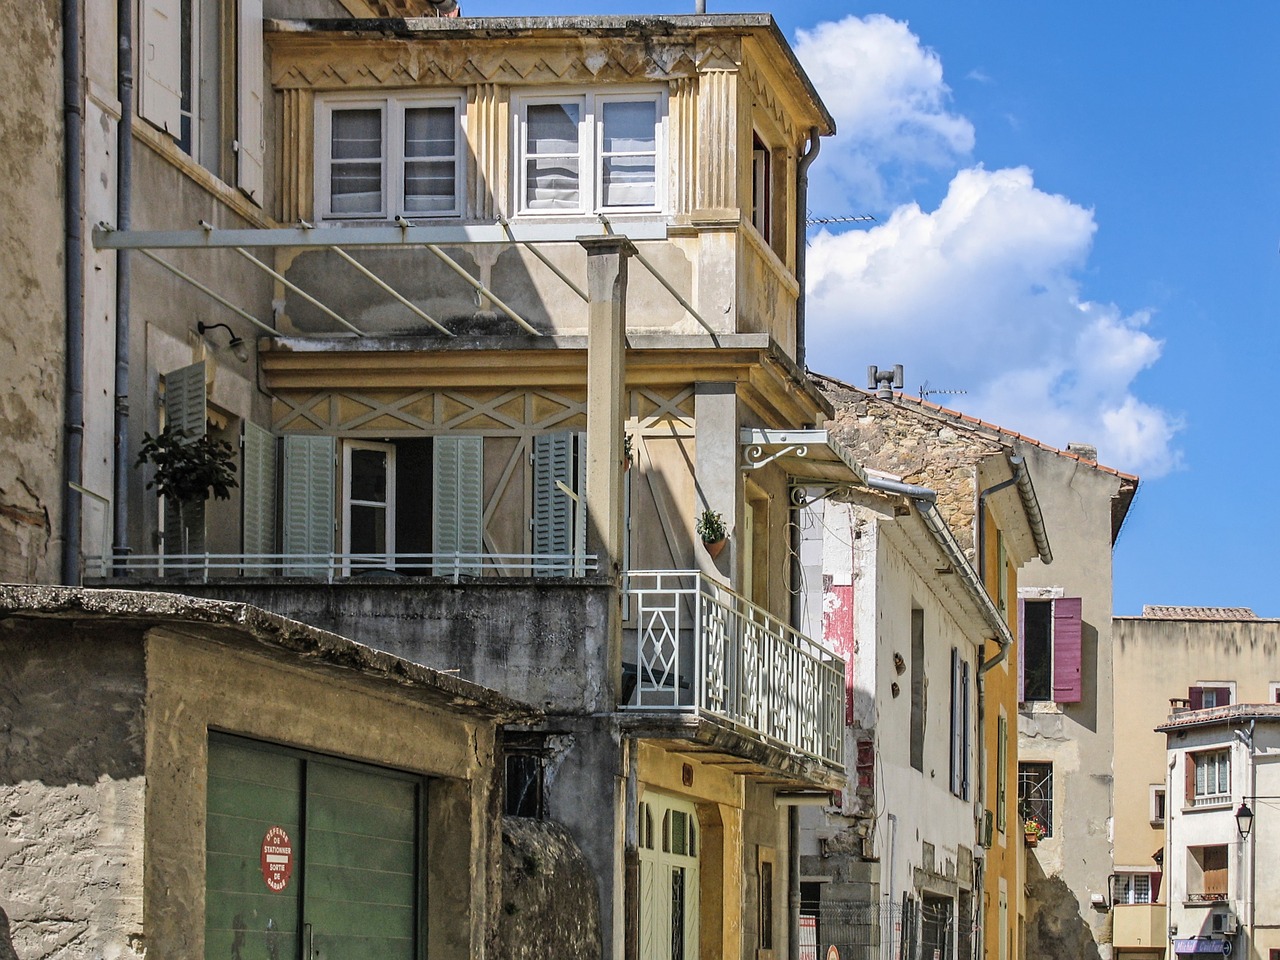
124, 220
802, 234
793, 882
631, 854
73, 291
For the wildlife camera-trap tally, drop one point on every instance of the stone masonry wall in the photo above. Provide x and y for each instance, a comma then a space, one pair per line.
896, 439
71, 791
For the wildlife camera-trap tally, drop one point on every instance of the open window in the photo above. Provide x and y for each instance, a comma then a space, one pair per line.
1050, 657
190, 66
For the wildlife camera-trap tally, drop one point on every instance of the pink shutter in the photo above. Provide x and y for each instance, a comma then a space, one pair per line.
1066, 650
1195, 698
1022, 653
1222, 695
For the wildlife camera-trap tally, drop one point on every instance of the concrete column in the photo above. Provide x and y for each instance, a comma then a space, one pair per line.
606, 403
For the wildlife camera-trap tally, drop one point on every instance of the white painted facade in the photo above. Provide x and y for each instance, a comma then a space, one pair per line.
1242, 909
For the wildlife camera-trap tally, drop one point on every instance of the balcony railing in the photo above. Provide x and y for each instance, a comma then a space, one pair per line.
335, 566
700, 648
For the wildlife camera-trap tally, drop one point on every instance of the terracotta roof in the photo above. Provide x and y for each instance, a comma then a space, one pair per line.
1128, 481
1155, 612
1230, 714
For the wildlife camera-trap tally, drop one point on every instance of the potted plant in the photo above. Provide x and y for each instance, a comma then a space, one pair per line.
1033, 831
188, 469
627, 456
711, 529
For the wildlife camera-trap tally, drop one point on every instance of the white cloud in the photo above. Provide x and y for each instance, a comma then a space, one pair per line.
982, 295
890, 105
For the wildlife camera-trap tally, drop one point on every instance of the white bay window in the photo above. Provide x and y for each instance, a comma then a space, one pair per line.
590, 152
386, 157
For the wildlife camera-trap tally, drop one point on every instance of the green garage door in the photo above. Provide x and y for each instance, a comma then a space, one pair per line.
310, 857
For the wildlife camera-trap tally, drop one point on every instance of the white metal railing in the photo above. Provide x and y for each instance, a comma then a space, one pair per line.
1211, 800
334, 566
698, 647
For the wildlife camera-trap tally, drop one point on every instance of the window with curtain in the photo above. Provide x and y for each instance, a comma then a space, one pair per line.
393, 156
590, 152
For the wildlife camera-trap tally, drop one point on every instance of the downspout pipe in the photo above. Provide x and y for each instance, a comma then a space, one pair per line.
124, 221
802, 234
73, 289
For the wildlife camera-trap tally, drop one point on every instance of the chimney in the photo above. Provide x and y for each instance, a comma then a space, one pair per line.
1085, 451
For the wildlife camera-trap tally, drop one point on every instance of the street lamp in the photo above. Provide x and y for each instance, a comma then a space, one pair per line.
1244, 820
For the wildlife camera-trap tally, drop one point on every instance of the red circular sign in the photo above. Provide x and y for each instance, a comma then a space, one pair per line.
277, 859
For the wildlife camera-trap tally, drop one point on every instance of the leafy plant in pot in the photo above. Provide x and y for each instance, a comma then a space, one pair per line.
711, 529
188, 469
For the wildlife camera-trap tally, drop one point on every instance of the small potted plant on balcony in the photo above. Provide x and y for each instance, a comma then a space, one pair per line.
1033, 831
628, 456
711, 529
188, 469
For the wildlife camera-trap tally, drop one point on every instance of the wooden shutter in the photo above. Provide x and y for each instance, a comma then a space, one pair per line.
184, 411
553, 509
1022, 650
258, 526
1066, 650
160, 64
967, 718
307, 522
250, 136
955, 721
1215, 870
1189, 764
1195, 698
457, 502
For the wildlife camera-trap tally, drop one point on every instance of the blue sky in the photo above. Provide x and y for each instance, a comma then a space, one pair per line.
1078, 224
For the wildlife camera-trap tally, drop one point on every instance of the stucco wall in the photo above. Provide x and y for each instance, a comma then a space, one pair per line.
1077, 738
31, 293
1156, 660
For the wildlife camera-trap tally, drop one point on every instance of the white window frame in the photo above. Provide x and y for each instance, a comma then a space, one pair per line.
1218, 685
590, 148
1133, 887
392, 109
388, 506
1205, 797
1159, 811
1273, 691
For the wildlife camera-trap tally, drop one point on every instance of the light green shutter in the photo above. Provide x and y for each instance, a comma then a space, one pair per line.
553, 509
457, 502
307, 526
250, 136
184, 411
160, 64
259, 502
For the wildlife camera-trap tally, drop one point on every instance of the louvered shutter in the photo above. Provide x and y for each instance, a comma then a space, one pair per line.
553, 509
955, 721
259, 503
184, 412
250, 136
1022, 650
457, 502
1195, 698
1066, 650
160, 64
967, 717
307, 522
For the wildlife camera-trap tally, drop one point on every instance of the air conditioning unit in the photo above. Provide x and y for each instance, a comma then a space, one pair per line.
1224, 922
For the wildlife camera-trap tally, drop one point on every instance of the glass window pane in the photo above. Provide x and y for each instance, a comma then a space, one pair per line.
429, 186
369, 475
552, 184
357, 134
628, 182
429, 132
355, 188
552, 128
630, 127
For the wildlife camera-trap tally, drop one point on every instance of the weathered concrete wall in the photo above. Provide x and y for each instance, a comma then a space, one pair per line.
31, 293
550, 906
536, 640
1077, 738
71, 790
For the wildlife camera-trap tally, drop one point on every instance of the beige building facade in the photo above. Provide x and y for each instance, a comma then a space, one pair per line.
1169, 661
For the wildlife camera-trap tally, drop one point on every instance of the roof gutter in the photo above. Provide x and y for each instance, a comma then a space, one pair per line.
925, 501
1031, 506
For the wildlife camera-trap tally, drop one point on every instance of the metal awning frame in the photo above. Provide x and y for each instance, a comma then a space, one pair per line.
813, 458
403, 234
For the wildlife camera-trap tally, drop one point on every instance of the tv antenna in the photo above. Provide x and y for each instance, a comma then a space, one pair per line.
860, 218
926, 392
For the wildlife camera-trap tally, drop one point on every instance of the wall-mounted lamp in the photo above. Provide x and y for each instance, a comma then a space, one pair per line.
237, 345
1244, 820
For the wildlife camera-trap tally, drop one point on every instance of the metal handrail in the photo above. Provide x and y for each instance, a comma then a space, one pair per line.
701, 648
329, 567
